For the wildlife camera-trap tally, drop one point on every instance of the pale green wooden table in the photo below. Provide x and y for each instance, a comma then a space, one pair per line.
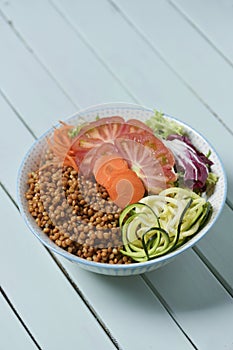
58, 56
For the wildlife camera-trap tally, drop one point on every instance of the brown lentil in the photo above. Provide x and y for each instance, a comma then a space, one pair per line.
76, 213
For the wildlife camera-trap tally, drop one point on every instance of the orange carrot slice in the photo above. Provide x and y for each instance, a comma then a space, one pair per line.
126, 188
60, 144
106, 166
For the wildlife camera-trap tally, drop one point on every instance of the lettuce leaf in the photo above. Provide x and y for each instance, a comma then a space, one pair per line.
163, 127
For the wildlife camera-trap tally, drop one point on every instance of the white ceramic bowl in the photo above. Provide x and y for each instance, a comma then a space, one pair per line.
127, 111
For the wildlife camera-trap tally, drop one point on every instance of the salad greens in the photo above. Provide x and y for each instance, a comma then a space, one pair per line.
192, 166
210, 183
163, 127
73, 132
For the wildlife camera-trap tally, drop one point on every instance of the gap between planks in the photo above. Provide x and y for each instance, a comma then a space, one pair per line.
16, 313
86, 42
211, 268
166, 306
17, 114
46, 69
196, 27
163, 59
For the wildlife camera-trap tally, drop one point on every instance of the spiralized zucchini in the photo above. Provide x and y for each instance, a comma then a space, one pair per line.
161, 223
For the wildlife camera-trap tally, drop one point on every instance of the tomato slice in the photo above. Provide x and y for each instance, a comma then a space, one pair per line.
142, 161
159, 151
103, 128
106, 130
145, 151
93, 157
149, 158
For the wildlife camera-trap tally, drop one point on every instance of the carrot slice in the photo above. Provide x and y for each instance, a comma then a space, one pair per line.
123, 185
60, 144
107, 166
126, 188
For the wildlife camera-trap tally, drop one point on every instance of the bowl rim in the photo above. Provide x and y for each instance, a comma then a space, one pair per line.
95, 265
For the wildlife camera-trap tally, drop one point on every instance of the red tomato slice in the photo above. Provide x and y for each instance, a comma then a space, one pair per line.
159, 151
98, 132
93, 129
88, 146
149, 158
93, 157
107, 130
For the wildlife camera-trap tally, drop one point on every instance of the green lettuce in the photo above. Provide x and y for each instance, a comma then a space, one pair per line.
163, 127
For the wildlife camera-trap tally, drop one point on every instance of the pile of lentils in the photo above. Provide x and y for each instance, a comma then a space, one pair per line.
76, 213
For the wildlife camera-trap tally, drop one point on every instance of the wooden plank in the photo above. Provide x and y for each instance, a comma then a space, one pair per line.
147, 75
10, 152
197, 300
186, 51
64, 54
213, 20
53, 312
217, 247
45, 102
12, 334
